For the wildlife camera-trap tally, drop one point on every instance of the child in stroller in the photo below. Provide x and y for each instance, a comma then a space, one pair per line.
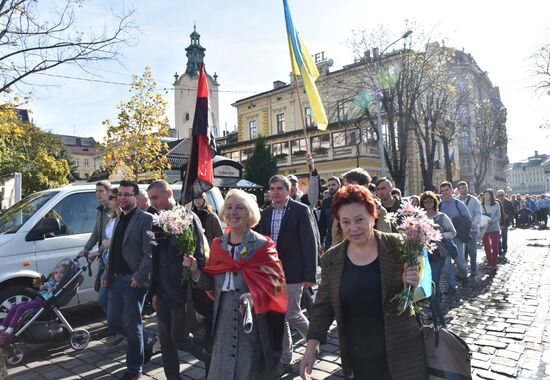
61, 286
45, 292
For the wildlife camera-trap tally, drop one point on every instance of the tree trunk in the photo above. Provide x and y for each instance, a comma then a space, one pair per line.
448, 168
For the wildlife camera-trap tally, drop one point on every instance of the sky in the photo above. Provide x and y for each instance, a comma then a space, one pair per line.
246, 46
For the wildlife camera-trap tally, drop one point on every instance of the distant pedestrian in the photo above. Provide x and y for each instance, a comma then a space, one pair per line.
491, 238
474, 207
326, 218
507, 219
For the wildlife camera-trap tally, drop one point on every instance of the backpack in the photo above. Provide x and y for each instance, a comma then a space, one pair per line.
462, 224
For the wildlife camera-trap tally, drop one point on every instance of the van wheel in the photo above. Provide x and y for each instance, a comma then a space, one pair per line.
10, 296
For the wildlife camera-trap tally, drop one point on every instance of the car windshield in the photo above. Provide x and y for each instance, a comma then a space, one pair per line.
13, 218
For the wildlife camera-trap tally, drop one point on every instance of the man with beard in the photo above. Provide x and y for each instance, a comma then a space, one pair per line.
128, 273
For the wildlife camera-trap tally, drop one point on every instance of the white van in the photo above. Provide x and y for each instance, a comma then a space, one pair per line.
32, 241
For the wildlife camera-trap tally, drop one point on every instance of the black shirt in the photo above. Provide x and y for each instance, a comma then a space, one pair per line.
361, 298
116, 260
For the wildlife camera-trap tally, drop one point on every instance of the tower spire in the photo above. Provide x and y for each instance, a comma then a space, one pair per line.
195, 54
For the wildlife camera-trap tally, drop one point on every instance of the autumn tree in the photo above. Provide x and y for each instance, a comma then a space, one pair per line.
26, 149
34, 39
133, 146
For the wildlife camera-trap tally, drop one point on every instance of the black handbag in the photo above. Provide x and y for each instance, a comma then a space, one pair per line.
447, 355
462, 225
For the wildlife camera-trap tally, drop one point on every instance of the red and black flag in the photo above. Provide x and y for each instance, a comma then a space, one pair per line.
199, 176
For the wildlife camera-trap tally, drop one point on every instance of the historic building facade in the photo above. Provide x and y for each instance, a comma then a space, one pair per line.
185, 91
531, 176
350, 140
87, 157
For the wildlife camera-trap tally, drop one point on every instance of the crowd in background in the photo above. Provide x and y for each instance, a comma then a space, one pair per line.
265, 257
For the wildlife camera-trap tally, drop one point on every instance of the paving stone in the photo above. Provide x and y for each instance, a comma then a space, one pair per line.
490, 343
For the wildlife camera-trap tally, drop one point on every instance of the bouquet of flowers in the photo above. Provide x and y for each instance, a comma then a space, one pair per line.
177, 226
419, 233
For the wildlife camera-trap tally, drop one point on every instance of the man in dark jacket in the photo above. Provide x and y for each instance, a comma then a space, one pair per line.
291, 226
168, 290
326, 219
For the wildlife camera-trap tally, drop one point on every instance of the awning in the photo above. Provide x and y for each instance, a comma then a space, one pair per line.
236, 183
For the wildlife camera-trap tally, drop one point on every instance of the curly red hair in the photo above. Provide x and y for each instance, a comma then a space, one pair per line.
354, 194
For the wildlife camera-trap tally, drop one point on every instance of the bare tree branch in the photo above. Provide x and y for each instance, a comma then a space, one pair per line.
30, 44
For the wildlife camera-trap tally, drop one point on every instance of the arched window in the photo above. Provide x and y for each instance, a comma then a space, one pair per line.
186, 117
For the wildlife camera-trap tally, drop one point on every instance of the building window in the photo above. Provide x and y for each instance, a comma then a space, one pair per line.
298, 147
246, 153
186, 117
320, 144
233, 155
252, 129
280, 149
345, 138
77, 162
309, 117
86, 162
280, 117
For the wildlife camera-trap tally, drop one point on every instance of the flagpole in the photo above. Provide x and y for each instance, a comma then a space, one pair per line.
302, 113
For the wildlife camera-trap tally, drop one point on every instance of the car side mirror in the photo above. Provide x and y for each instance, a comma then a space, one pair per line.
44, 227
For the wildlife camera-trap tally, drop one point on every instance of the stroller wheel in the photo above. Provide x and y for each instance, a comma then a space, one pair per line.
14, 354
79, 339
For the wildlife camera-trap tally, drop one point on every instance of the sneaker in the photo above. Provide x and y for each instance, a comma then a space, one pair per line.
284, 368
148, 348
130, 376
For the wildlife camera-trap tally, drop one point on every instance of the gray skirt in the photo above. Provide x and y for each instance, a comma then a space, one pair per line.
235, 354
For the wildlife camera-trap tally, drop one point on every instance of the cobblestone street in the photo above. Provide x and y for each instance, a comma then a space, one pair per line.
505, 319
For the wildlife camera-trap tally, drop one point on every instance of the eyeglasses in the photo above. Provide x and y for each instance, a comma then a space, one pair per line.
120, 195
111, 197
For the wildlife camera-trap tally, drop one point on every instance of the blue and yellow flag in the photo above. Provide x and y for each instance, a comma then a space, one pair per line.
303, 65
424, 288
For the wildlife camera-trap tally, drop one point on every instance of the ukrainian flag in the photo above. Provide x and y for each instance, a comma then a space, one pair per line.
303, 65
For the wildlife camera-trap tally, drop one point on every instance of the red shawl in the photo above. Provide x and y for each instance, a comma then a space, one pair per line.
263, 273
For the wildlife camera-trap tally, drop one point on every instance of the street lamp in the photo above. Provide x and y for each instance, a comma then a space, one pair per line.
379, 96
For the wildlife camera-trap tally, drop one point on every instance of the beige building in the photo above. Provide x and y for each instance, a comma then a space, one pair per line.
531, 176
185, 91
86, 154
350, 140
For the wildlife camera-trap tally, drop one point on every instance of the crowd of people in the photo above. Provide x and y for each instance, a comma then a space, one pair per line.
266, 259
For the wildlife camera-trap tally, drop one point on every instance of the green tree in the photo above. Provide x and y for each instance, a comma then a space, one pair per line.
260, 165
27, 149
133, 148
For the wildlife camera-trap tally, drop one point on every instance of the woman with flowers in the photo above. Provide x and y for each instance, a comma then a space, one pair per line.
243, 268
430, 202
359, 279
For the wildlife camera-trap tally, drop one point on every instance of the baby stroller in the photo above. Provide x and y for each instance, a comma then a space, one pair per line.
53, 326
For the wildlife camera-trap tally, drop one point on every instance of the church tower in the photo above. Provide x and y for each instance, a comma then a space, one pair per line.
185, 94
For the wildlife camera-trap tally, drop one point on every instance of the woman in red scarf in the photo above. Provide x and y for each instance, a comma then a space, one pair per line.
243, 267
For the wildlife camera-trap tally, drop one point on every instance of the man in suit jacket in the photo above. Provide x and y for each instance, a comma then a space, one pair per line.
128, 274
291, 226
169, 290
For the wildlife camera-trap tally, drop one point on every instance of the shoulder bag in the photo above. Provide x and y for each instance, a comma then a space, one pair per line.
447, 355
463, 225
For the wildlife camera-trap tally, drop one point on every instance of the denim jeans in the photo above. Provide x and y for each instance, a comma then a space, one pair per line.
503, 241
103, 299
471, 250
124, 317
437, 263
462, 268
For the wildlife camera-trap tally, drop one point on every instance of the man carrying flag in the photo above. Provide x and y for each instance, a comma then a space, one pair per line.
199, 176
